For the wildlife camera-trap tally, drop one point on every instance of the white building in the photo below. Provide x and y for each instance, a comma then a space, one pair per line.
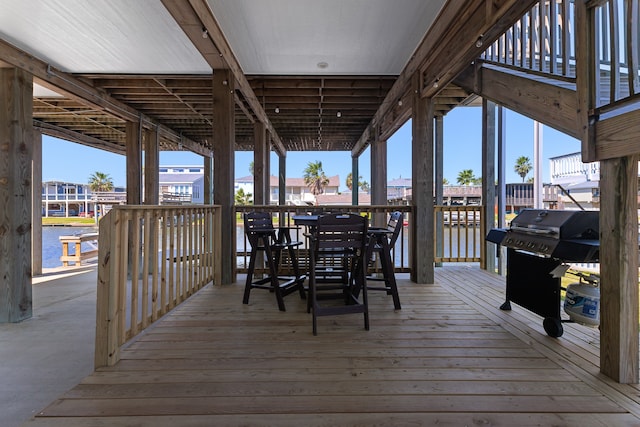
179, 183
578, 182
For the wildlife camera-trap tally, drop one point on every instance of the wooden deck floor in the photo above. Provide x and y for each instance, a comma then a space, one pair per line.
450, 357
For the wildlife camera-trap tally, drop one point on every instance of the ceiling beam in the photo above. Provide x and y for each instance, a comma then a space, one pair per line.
79, 90
196, 13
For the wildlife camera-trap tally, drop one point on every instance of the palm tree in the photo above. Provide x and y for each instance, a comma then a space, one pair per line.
100, 182
466, 177
362, 185
314, 178
523, 166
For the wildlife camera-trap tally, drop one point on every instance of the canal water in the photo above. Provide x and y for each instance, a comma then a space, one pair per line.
51, 246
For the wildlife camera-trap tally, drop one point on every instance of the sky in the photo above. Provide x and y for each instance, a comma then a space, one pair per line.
71, 162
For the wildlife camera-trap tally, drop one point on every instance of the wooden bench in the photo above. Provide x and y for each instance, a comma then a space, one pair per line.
78, 257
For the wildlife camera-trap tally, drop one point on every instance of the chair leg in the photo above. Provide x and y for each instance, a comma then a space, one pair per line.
296, 272
390, 279
249, 281
275, 283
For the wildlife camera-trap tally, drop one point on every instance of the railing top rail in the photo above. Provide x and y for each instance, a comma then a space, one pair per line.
164, 207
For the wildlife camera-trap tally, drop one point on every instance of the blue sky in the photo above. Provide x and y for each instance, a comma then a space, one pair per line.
65, 161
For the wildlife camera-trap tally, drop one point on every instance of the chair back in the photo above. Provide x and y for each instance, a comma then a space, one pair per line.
395, 226
258, 225
341, 231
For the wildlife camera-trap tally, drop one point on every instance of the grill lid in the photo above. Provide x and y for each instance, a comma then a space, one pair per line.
568, 235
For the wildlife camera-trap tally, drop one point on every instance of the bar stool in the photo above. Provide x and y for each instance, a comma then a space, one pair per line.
271, 242
381, 242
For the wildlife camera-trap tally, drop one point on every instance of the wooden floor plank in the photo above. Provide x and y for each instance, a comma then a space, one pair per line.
450, 357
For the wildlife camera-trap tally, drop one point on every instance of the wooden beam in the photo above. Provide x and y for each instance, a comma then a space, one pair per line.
77, 137
198, 13
538, 99
617, 136
445, 53
16, 133
619, 269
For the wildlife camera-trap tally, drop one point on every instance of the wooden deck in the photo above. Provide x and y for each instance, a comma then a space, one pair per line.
450, 357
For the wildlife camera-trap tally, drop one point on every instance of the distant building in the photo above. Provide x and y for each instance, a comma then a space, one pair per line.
577, 183
181, 183
67, 199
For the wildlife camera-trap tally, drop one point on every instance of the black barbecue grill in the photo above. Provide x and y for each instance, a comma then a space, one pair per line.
537, 242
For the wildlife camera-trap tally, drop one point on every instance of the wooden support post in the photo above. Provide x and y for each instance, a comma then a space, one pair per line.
134, 163
439, 190
422, 259
16, 133
378, 178
223, 170
355, 188
36, 205
282, 180
260, 187
488, 180
208, 181
502, 186
151, 168
267, 171
619, 269
585, 79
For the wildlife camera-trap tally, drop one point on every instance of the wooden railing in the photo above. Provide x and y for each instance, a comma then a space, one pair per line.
150, 259
283, 216
543, 42
459, 237
460, 233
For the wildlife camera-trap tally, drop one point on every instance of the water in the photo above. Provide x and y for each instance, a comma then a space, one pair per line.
51, 246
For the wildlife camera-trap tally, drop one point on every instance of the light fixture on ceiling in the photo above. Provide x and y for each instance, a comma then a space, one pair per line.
436, 83
399, 102
205, 33
322, 65
277, 110
479, 41
339, 114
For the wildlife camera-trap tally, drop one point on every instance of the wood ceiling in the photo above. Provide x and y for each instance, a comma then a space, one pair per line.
302, 113
308, 113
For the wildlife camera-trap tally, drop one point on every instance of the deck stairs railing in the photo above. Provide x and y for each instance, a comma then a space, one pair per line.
543, 42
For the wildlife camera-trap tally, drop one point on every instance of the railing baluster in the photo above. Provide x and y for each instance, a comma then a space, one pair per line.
172, 259
147, 251
135, 270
